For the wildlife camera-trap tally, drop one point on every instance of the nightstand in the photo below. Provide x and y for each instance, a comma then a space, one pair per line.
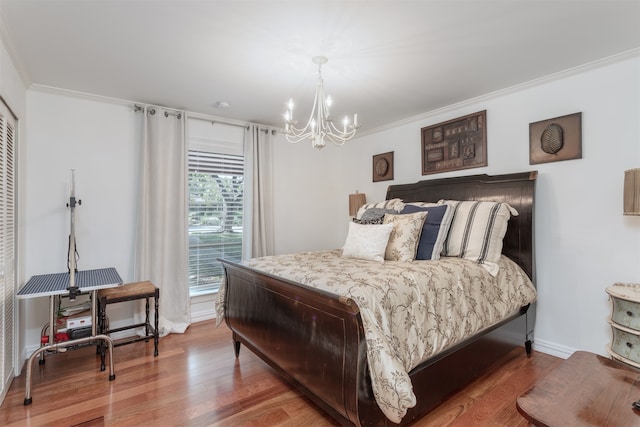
625, 323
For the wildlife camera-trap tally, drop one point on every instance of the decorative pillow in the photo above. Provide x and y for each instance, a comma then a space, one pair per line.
435, 229
374, 215
369, 221
394, 204
367, 241
477, 230
403, 241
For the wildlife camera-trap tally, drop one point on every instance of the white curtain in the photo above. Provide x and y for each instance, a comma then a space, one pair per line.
258, 200
162, 245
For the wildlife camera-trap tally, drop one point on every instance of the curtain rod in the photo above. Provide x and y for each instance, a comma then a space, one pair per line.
266, 130
152, 110
213, 120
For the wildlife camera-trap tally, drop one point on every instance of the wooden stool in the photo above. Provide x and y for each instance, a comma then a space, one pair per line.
129, 292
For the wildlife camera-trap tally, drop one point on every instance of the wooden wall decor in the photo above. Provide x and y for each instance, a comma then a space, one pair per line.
555, 139
455, 144
383, 167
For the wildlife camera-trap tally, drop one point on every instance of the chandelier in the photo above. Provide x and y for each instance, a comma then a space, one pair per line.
320, 128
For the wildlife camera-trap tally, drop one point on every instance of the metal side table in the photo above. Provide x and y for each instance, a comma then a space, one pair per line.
56, 285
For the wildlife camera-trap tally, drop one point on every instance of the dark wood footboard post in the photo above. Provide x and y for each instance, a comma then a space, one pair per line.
527, 344
236, 344
527, 347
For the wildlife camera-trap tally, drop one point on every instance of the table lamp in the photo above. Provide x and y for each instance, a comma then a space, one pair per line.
632, 192
355, 202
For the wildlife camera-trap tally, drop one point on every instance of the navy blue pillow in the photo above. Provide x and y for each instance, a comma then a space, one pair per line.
430, 230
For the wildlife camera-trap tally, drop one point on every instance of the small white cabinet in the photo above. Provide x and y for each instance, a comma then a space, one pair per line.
625, 323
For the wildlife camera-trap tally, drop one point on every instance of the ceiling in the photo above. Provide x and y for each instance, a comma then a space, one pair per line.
388, 60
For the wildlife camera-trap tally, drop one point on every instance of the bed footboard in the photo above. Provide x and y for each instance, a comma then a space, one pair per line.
312, 338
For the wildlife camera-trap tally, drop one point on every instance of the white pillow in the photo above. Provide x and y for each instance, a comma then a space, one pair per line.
477, 231
404, 239
367, 242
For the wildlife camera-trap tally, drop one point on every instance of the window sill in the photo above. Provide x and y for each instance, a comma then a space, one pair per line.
193, 294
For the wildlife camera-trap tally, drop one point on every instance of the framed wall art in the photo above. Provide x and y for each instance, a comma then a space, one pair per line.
455, 144
383, 167
555, 139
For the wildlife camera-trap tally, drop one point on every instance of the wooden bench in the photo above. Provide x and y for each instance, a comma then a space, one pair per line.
130, 292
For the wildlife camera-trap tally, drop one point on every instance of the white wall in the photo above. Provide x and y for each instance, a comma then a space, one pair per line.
308, 201
583, 242
100, 141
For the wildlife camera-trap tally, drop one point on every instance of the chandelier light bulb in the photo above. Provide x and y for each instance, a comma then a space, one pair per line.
320, 126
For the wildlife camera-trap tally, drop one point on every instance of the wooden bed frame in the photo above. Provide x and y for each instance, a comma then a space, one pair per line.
327, 362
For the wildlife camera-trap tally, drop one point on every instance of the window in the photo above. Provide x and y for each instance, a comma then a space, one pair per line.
216, 188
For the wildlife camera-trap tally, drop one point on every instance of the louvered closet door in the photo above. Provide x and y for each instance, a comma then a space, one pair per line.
7, 245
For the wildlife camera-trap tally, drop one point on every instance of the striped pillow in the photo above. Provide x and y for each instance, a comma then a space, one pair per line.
477, 230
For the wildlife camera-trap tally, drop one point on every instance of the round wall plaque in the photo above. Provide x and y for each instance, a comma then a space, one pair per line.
382, 166
552, 139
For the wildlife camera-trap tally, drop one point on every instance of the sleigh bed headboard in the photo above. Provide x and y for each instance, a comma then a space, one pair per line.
517, 189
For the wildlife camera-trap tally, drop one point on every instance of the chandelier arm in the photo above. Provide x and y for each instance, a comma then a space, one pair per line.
294, 139
340, 138
334, 129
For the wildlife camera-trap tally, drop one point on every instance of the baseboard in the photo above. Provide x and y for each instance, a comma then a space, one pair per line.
203, 307
202, 316
553, 348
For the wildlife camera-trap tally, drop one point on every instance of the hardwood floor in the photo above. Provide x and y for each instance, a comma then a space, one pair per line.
197, 381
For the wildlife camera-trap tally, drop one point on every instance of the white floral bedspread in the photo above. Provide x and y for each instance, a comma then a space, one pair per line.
410, 310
